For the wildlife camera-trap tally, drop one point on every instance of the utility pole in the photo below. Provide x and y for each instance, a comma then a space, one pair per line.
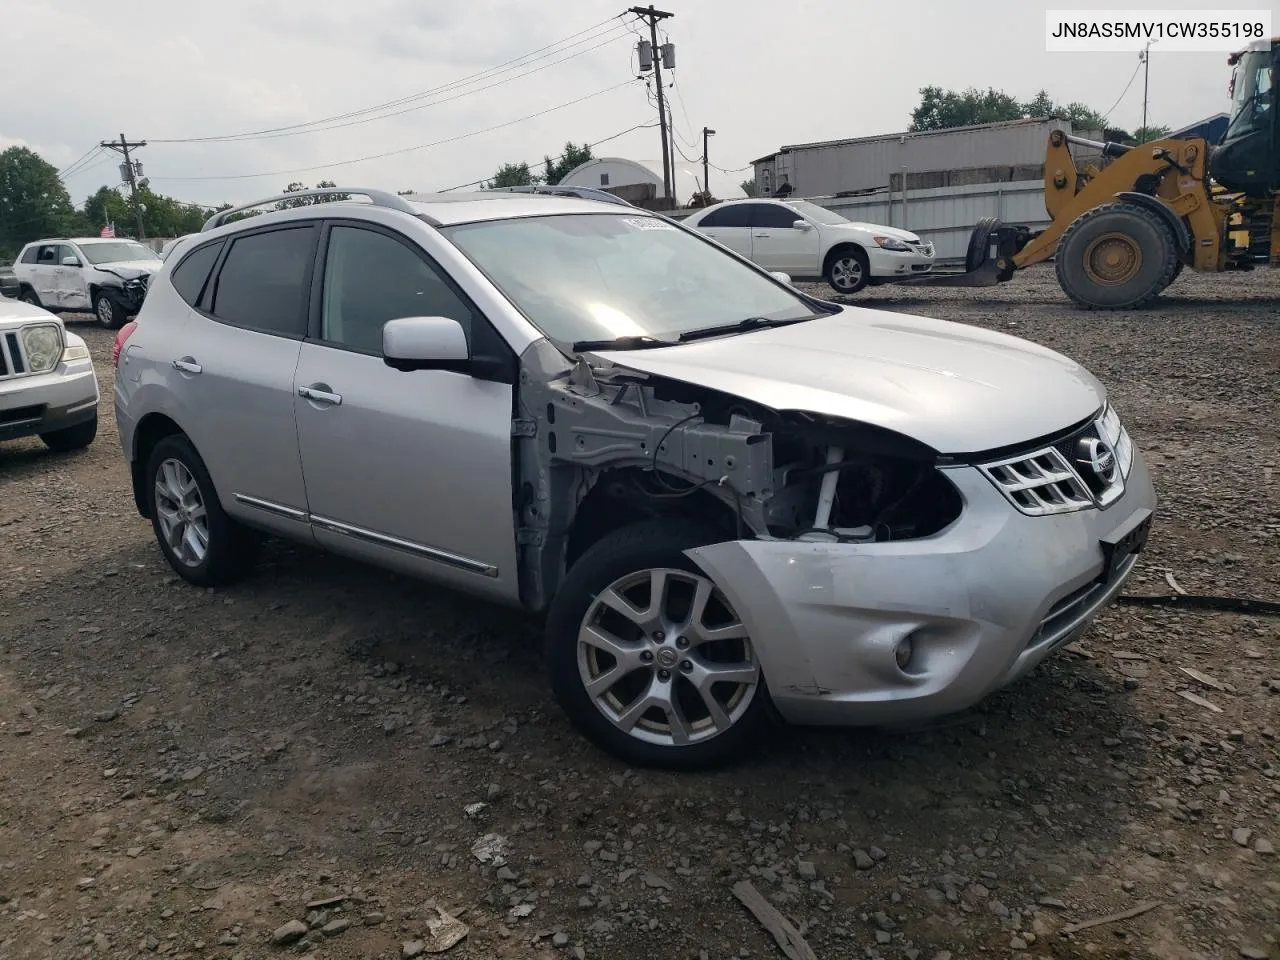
1146, 74
706, 177
129, 171
658, 58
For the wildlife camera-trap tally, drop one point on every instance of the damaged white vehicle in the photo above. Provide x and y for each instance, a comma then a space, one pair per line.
722, 493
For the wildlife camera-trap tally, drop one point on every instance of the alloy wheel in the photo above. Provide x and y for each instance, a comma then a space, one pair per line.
846, 273
180, 509
664, 657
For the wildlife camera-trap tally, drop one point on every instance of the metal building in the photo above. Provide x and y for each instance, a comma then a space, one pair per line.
869, 163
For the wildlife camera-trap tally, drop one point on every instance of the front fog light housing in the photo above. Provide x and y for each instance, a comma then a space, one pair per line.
43, 346
902, 653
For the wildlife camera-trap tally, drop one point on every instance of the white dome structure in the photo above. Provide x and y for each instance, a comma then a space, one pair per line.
606, 173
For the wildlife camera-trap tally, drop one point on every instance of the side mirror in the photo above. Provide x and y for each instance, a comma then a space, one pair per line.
70, 262
781, 277
425, 343
802, 225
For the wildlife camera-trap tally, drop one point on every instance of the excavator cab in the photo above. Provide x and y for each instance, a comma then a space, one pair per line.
1247, 160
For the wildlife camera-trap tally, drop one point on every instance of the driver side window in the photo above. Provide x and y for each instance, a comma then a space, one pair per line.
370, 278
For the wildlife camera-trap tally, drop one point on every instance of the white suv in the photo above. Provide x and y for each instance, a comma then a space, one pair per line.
809, 242
106, 276
719, 492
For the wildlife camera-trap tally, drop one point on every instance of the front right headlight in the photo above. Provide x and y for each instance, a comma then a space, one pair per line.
42, 343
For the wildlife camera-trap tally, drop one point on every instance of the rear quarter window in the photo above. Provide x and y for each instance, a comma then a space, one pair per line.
29, 254
192, 272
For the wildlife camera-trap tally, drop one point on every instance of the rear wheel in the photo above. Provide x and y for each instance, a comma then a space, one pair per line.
648, 658
848, 270
1118, 256
202, 544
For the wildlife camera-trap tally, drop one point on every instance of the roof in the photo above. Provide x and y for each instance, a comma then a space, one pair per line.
83, 240
640, 167
911, 134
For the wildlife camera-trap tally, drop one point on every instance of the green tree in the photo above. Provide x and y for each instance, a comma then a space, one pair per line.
749, 188
941, 109
573, 157
512, 175
1157, 131
107, 206
33, 201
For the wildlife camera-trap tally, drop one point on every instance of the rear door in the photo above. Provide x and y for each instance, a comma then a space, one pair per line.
232, 370
776, 243
729, 225
44, 274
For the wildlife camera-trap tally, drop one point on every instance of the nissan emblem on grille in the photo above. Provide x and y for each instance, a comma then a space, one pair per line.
1098, 456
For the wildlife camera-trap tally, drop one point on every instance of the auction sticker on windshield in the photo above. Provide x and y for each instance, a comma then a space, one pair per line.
648, 223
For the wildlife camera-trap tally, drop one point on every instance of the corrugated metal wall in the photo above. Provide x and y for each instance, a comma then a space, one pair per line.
947, 215
818, 169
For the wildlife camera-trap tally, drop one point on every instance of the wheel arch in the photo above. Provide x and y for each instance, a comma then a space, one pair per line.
841, 247
150, 430
1181, 234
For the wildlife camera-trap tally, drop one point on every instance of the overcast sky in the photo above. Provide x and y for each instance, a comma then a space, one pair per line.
761, 74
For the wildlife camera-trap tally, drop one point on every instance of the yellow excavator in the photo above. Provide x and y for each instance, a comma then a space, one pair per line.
1122, 230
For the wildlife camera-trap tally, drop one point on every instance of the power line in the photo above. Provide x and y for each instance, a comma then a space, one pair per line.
70, 168
1132, 77
474, 183
403, 150
433, 103
500, 68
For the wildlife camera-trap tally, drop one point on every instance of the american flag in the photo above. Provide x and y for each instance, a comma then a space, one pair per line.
108, 231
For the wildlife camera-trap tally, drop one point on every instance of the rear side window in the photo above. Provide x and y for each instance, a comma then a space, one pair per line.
731, 216
772, 215
188, 277
264, 282
29, 255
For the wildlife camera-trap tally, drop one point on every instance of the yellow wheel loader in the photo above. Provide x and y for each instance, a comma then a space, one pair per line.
1123, 230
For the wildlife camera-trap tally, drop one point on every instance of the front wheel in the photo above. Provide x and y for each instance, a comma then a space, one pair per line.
648, 657
848, 270
202, 544
109, 313
71, 438
1118, 256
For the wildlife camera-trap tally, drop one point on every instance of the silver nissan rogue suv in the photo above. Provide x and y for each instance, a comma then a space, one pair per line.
720, 492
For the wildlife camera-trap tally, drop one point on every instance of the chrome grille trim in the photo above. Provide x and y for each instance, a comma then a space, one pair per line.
13, 360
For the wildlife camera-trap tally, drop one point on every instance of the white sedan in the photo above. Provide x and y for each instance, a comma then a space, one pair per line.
809, 242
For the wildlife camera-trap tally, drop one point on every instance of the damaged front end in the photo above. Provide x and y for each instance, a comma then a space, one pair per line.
600, 446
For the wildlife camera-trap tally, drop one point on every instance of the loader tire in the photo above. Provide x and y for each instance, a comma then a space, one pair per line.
1117, 256
979, 243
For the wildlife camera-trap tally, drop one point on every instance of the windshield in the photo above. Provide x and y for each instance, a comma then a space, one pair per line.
117, 251
599, 276
817, 213
1252, 95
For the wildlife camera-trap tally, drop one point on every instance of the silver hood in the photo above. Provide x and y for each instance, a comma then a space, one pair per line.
957, 388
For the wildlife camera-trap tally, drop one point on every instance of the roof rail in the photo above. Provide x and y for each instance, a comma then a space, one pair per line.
379, 198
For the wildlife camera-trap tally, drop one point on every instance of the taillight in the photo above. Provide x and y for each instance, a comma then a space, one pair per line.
123, 335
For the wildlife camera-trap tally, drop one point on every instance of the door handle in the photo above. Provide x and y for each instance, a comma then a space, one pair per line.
187, 365
320, 393
761, 234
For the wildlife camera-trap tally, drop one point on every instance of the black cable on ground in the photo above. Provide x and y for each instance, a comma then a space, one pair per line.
1264, 608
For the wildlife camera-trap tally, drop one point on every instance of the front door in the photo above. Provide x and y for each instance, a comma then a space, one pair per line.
777, 244
72, 291
411, 470
44, 275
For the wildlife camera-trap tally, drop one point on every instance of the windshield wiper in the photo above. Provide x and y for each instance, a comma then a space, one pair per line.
750, 323
642, 342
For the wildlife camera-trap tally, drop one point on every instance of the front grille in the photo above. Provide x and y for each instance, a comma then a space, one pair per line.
1073, 473
13, 363
1073, 610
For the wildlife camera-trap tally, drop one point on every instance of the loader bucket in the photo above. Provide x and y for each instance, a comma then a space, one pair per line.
981, 268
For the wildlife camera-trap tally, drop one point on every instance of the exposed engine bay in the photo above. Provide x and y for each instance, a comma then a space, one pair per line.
598, 446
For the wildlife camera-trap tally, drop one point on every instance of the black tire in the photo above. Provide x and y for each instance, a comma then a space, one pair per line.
71, 438
649, 545
1176, 270
1138, 234
847, 261
979, 243
27, 295
109, 313
231, 549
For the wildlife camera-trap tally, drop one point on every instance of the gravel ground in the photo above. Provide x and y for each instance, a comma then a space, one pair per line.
182, 772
